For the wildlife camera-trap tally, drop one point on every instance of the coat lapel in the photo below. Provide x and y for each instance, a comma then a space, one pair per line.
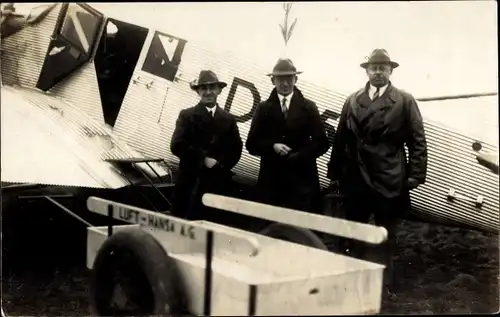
220, 121
366, 109
275, 109
202, 118
296, 109
200, 111
354, 121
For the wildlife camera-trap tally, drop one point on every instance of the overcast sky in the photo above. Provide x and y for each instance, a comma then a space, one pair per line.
442, 47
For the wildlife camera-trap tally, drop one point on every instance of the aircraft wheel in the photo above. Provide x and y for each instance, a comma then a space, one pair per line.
293, 234
134, 276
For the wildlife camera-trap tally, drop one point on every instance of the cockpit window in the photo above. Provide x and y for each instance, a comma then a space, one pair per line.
72, 44
164, 56
80, 27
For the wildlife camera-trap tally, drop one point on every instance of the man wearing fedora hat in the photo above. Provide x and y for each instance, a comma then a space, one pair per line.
207, 141
288, 135
368, 160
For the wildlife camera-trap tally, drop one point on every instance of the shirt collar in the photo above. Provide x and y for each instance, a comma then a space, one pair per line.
211, 110
288, 98
373, 89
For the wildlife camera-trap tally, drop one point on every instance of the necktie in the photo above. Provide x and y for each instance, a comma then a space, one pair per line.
375, 95
283, 107
210, 113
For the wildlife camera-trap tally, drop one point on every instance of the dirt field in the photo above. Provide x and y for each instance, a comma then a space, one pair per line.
439, 270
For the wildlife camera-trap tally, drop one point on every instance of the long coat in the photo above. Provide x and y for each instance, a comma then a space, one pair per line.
368, 149
291, 181
198, 135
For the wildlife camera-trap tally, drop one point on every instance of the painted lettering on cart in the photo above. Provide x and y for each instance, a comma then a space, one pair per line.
160, 223
170, 226
128, 215
136, 217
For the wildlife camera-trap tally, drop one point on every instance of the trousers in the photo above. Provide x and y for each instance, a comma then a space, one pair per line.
210, 181
359, 208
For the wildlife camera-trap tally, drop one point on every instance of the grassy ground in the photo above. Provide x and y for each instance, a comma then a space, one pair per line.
439, 270
47, 294
445, 270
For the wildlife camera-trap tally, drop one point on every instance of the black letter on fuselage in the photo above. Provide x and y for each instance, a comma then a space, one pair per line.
232, 92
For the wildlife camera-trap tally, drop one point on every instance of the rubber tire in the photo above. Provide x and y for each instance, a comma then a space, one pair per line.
293, 234
162, 279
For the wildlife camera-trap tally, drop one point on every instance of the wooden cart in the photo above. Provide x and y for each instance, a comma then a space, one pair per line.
167, 265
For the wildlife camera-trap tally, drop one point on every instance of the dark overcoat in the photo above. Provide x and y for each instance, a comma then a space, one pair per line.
369, 146
198, 135
290, 181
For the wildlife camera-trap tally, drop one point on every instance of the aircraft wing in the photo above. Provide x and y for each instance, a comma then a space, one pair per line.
45, 140
489, 160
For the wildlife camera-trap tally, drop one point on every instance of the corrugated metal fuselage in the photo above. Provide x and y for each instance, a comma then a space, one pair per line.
147, 116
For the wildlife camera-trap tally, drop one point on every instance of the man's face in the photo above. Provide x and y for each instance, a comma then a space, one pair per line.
379, 74
209, 94
284, 84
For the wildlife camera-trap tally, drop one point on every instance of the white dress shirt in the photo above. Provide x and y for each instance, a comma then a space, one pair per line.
288, 99
211, 110
373, 89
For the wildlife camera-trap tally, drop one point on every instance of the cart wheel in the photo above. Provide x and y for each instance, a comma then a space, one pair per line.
134, 276
293, 234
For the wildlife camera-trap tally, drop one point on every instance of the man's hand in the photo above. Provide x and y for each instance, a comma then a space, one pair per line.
281, 149
210, 162
412, 183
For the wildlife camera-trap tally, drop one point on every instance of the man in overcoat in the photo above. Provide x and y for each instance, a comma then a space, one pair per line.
288, 135
368, 160
207, 141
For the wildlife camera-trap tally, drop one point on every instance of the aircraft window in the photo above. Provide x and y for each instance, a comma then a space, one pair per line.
164, 56
477, 146
71, 44
80, 27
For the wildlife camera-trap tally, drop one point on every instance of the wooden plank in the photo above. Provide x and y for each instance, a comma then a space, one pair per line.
192, 232
335, 226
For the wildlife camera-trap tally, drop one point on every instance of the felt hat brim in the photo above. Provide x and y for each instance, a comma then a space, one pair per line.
393, 64
284, 73
220, 83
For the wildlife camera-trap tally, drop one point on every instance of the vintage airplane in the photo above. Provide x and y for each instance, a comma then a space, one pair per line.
86, 96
